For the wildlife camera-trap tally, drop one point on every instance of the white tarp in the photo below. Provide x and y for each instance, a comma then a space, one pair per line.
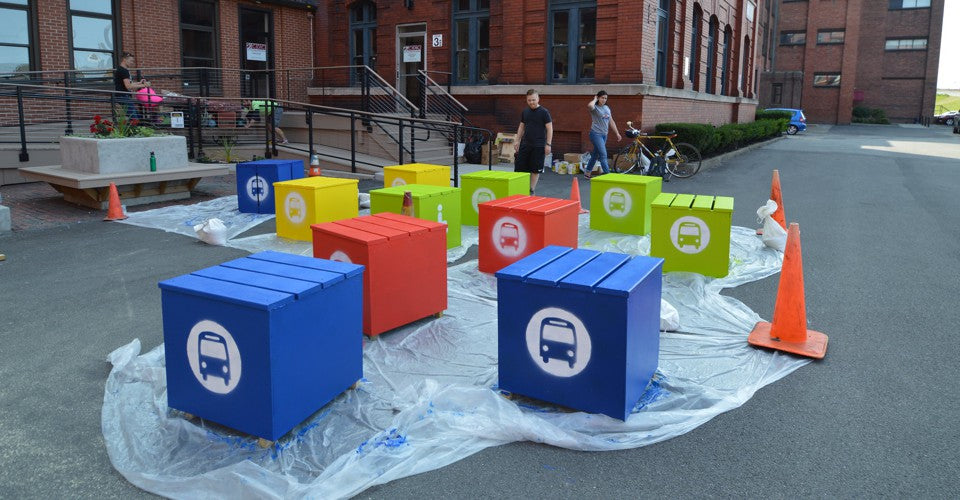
429, 395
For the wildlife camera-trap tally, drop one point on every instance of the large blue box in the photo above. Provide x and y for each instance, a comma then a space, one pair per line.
580, 328
255, 183
260, 343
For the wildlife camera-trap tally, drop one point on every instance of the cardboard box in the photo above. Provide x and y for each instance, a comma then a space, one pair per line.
571, 157
507, 146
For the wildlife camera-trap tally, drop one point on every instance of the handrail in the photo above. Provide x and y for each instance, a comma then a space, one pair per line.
445, 93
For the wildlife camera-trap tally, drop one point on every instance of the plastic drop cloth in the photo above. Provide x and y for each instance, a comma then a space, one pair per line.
429, 395
182, 218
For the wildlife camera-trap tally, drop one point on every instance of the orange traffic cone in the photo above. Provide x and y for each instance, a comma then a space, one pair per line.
315, 170
407, 208
776, 196
788, 332
575, 195
114, 211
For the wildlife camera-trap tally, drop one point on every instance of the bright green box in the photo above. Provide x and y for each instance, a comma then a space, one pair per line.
621, 203
488, 185
435, 203
692, 233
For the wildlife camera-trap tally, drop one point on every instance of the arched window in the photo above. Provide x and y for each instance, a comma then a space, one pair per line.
712, 35
725, 61
363, 35
745, 76
663, 40
694, 68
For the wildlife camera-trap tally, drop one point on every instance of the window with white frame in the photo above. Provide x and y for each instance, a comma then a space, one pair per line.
906, 44
909, 4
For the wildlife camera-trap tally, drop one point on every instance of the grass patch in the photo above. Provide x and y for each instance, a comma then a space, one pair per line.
949, 103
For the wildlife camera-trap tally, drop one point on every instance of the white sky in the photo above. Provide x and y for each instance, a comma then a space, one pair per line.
949, 73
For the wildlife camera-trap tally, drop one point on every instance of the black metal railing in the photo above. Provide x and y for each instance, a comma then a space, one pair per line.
40, 114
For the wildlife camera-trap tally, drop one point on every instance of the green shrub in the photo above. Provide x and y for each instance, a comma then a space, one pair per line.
863, 114
701, 135
773, 115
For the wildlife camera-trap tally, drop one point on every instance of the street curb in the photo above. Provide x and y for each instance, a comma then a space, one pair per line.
713, 161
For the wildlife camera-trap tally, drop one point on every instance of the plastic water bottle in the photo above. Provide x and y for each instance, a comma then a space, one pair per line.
153, 162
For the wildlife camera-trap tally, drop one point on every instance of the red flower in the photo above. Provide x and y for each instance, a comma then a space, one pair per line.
96, 119
134, 121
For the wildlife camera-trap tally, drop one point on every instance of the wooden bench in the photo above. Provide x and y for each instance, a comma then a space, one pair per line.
135, 188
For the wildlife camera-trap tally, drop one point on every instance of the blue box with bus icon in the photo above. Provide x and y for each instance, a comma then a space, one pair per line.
255, 183
260, 343
580, 328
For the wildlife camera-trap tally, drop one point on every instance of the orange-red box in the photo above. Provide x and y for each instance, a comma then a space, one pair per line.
516, 226
406, 265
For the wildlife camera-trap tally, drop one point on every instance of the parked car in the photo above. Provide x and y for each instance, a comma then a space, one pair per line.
797, 124
947, 118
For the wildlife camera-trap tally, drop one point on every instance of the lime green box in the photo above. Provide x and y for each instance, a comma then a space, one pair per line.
416, 173
434, 203
621, 202
488, 185
692, 233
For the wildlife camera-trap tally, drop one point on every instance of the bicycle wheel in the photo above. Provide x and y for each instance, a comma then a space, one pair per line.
626, 160
685, 161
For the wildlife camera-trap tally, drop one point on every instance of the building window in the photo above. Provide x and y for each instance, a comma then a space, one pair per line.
745, 75
909, 4
712, 34
198, 46
16, 37
695, 45
471, 33
91, 34
363, 37
826, 79
725, 64
793, 37
906, 44
573, 41
663, 39
830, 36
777, 93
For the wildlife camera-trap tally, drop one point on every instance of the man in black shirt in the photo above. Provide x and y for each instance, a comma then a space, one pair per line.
122, 82
534, 136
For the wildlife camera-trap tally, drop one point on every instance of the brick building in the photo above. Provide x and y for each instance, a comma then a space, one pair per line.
661, 60
89, 35
834, 55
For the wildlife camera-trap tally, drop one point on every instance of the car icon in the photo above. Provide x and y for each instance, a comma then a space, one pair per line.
688, 234
558, 340
509, 235
214, 357
294, 206
483, 197
618, 202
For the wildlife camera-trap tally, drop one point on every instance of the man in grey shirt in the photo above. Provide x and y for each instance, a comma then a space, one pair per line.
602, 121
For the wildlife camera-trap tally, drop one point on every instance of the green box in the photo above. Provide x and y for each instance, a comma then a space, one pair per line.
488, 185
621, 203
434, 203
692, 233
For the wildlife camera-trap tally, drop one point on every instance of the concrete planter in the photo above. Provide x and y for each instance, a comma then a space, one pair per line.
131, 154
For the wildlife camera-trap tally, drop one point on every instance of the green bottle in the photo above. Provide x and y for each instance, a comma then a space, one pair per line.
153, 162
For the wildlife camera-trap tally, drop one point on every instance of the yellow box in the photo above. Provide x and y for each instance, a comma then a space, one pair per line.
312, 200
416, 173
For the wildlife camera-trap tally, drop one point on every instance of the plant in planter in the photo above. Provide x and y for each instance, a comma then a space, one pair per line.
102, 128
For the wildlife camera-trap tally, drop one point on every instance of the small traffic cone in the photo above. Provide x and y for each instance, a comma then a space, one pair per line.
575, 195
115, 211
776, 196
407, 208
315, 170
788, 332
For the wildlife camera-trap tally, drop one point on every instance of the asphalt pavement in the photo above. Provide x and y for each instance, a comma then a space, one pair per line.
878, 212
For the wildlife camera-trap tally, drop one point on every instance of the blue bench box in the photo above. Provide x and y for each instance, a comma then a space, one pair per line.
260, 343
255, 183
580, 328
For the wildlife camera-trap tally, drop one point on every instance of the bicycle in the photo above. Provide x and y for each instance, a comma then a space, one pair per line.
678, 159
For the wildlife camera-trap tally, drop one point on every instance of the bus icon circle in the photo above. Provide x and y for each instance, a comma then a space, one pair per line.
690, 235
213, 357
558, 342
